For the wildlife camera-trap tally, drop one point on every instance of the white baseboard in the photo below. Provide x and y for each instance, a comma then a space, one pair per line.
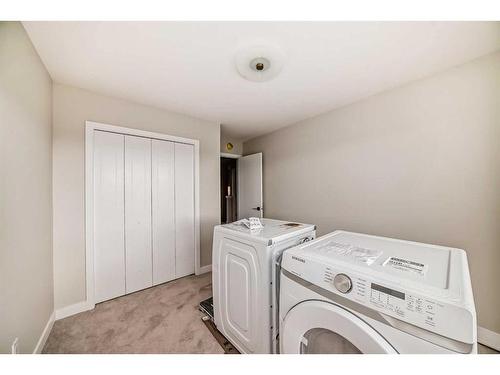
205, 269
488, 338
73, 309
45, 334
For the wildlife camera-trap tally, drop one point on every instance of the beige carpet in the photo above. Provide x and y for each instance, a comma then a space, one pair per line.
162, 319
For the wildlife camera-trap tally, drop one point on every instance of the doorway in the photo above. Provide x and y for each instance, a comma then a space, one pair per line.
240, 187
229, 195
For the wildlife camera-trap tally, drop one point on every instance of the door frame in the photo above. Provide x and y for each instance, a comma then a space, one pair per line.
90, 127
230, 156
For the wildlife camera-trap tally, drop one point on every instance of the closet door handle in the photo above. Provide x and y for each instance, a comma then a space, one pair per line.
256, 208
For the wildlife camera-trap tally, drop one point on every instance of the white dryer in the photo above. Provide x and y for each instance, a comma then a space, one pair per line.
245, 273
354, 293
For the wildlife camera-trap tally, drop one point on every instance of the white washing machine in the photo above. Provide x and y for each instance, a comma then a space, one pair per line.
354, 293
245, 272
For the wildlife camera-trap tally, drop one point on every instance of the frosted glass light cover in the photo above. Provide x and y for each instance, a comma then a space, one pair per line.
270, 56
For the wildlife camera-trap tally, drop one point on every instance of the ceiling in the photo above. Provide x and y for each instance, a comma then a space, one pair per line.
189, 67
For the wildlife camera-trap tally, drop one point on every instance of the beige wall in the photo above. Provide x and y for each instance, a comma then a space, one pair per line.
420, 162
71, 108
26, 283
237, 145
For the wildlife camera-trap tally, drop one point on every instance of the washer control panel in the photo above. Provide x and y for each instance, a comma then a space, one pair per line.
409, 307
447, 311
402, 304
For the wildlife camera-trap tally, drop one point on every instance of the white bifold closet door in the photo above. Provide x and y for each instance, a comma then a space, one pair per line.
109, 234
143, 213
163, 213
184, 209
173, 210
138, 253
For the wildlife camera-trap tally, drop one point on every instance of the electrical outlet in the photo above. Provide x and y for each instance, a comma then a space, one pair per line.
15, 346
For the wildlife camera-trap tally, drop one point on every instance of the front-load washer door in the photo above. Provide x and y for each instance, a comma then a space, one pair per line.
318, 327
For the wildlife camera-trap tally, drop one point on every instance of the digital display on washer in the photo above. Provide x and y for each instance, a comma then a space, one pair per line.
391, 292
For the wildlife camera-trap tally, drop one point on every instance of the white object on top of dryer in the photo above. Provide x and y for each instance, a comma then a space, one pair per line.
409, 298
254, 224
245, 275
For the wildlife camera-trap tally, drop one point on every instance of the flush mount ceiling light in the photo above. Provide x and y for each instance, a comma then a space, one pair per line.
259, 63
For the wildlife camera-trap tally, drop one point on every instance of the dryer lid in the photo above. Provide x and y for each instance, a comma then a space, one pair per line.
273, 231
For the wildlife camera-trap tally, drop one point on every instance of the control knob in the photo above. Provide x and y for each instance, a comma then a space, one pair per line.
342, 282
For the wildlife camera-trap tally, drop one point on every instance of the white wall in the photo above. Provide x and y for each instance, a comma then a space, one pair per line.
420, 162
26, 283
71, 108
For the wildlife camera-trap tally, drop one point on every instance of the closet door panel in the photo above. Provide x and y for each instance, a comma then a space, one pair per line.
109, 247
138, 252
163, 211
184, 209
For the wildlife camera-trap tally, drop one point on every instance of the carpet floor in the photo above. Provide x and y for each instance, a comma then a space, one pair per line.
161, 319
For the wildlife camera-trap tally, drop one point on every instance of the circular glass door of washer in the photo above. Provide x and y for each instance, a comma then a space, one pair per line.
318, 327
